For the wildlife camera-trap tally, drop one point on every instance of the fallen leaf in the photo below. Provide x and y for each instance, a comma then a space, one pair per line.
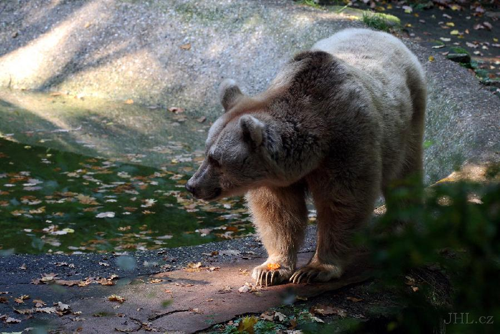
279, 316
155, 280
62, 309
229, 252
245, 288
186, 46
46, 278
87, 200
39, 303
247, 324
488, 25
354, 299
328, 310
273, 266
116, 298
192, 265
266, 316
67, 282
24, 297
227, 289
48, 310
106, 215
407, 9
25, 311
10, 320
176, 110
316, 319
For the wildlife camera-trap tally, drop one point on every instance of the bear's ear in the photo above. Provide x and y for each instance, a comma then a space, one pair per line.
229, 94
253, 129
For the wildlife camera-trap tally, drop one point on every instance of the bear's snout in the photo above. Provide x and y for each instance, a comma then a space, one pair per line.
189, 187
201, 193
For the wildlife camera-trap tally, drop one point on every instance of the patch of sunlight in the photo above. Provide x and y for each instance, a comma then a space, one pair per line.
33, 62
138, 67
357, 14
95, 127
302, 20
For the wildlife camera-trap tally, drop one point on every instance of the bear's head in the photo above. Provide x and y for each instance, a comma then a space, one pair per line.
240, 149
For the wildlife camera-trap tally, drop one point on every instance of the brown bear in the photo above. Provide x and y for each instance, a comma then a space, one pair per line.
341, 122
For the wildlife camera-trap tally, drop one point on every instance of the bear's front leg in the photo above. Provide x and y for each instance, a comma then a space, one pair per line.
280, 215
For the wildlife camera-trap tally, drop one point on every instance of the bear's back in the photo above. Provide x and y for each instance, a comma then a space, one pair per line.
382, 56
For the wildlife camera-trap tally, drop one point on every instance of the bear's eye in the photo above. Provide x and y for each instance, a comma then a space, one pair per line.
213, 162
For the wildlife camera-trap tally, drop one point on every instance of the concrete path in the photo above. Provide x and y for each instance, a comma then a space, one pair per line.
185, 289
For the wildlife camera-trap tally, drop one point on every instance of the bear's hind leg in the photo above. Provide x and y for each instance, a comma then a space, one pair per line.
412, 170
342, 207
280, 215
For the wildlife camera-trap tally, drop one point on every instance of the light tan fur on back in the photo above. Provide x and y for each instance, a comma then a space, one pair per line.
341, 122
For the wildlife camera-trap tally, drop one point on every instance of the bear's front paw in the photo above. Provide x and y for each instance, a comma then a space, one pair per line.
316, 273
270, 274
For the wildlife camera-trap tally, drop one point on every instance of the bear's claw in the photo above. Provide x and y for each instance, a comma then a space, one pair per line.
316, 273
266, 277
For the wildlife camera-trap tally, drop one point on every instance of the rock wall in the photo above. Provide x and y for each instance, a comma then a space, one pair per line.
175, 53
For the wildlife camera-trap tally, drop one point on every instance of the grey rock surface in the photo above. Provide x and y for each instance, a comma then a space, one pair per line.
176, 53
155, 52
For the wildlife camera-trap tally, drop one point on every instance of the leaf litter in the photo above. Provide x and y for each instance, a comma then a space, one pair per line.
69, 203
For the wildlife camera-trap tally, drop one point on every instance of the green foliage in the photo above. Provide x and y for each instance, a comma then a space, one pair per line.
455, 232
460, 50
376, 22
311, 3
268, 327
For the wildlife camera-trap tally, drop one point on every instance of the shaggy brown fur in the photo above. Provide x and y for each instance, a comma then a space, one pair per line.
341, 122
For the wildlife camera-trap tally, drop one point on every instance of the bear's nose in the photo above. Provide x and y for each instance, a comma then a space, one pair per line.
189, 187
